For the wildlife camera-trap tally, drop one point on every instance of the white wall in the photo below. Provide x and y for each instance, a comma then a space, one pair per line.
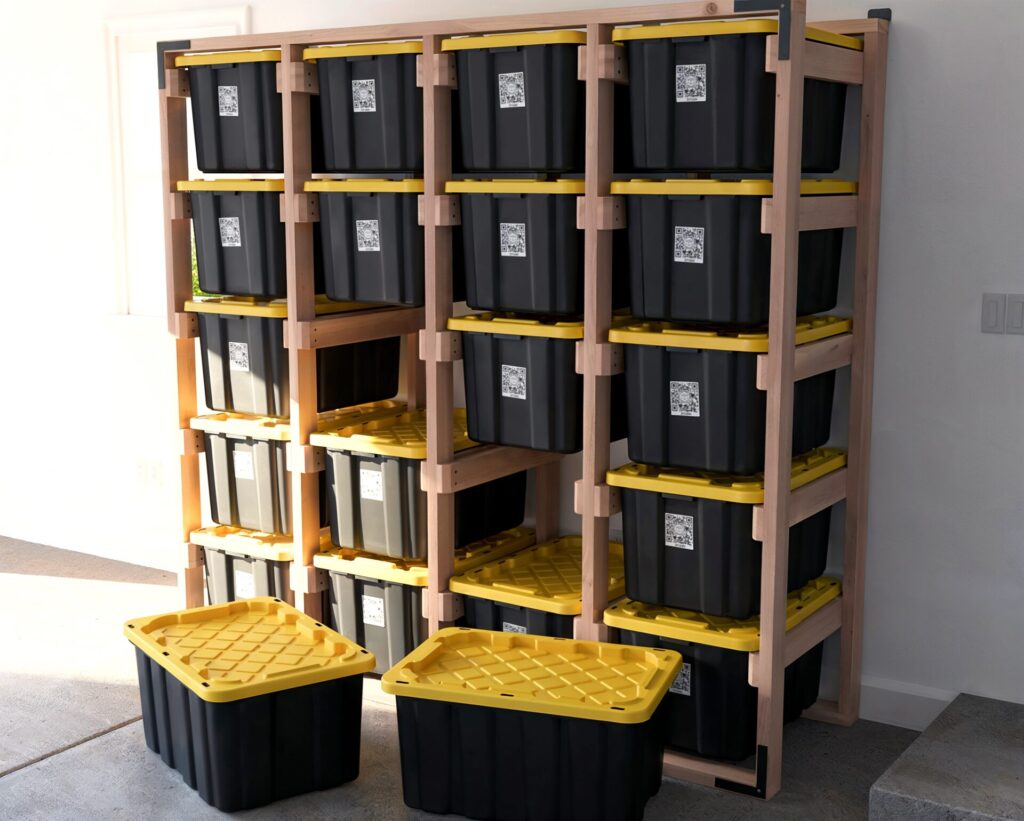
87, 413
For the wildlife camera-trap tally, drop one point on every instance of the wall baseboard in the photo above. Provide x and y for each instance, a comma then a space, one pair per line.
901, 703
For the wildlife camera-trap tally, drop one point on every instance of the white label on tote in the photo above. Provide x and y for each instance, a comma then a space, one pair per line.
688, 244
512, 90
679, 531
692, 83
513, 382
242, 460
684, 398
227, 101
238, 356
373, 611
371, 485
245, 585
508, 627
513, 238
364, 96
367, 235
230, 232
681, 685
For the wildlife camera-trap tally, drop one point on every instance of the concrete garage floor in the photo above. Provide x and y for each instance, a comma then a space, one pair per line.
71, 743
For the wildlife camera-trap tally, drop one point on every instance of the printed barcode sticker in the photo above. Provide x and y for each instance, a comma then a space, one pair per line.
227, 101
512, 90
242, 460
688, 244
244, 584
371, 485
681, 685
367, 235
373, 611
509, 627
364, 96
513, 381
679, 531
692, 83
684, 398
230, 232
238, 356
513, 238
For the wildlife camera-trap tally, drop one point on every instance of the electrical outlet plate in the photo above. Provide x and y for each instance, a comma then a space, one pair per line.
993, 313
1014, 313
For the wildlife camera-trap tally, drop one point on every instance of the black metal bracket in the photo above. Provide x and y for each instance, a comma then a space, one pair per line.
880, 14
784, 9
761, 772
161, 47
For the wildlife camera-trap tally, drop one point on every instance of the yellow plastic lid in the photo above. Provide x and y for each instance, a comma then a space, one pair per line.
362, 50
719, 27
723, 487
727, 188
219, 58
526, 38
368, 186
227, 652
667, 335
536, 674
231, 185
490, 323
514, 187
730, 634
404, 436
272, 547
414, 574
546, 577
269, 308
271, 428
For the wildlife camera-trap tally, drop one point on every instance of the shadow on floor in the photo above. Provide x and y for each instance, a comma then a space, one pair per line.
27, 559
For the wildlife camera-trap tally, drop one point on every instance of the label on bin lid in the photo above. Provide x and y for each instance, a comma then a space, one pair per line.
267, 308
546, 577
231, 185
504, 186
536, 674
723, 487
362, 50
526, 38
366, 185
729, 634
714, 28
271, 428
271, 547
666, 335
403, 436
227, 652
223, 58
727, 188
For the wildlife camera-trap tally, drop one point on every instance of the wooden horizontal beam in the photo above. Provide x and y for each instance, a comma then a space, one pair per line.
704, 771
610, 212
821, 61
305, 207
813, 358
867, 25
359, 326
829, 713
452, 607
481, 464
447, 346
192, 441
811, 632
608, 358
817, 213
447, 209
805, 501
607, 499
183, 325
611, 64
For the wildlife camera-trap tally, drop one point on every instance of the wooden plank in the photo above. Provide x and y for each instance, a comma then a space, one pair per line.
813, 358
817, 213
805, 636
547, 481
704, 771
413, 379
806, 501
779, 416
862, 369
192, 581
853, 27
821, 61
472, 467
828, 712
360, 326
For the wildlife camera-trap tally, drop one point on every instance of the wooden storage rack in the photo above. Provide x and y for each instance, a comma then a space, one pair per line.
427, 338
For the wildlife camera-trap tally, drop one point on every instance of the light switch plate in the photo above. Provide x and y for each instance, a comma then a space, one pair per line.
1014, 313
993, 313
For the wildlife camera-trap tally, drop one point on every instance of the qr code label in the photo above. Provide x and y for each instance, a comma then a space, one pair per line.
679, 531
364, 96
373, 611
692, 83
513, 381
512, 90
684, 398
367, 235
242, 460
509, 627
513, 238
681, 686
238, 356
227, 101
230, 232
244, 584
688, 245
371, 485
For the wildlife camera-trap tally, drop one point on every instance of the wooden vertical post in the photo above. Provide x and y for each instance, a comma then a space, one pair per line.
413, 389
789, 97
547, 498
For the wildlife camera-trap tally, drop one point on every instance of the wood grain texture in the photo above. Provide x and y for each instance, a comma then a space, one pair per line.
817, 213
813, 358
821, 61
806, 501
805, 636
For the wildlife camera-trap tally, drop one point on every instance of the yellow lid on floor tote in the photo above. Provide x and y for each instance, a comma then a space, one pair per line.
536, 674
362, 50
225, 58
723, 487
268, 308
666, 335
365, 186
527, 38
716, 28
729, 634
514, 187
727, 188
546, 577
404, 436
227, 652
271, 547
274, 429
